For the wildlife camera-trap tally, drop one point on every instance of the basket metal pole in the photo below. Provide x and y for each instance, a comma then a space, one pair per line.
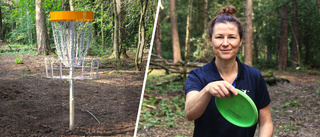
71, 125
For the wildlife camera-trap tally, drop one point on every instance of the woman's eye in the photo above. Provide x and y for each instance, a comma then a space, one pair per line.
232, 37
219, 37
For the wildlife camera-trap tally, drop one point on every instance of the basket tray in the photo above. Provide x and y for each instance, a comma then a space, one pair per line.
86, 68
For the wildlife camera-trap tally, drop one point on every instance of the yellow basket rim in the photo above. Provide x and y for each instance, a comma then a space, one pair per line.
71, 16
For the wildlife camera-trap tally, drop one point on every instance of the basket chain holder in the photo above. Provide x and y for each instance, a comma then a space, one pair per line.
72, 36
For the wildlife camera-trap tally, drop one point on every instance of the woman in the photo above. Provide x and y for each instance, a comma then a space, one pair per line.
224, 74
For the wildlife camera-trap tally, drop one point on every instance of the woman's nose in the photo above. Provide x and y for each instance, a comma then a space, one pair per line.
225, 42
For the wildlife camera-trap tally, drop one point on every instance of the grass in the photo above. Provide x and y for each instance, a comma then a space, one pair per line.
168, 106
291, 104
18, 60
16, 48
114, 72
289, 127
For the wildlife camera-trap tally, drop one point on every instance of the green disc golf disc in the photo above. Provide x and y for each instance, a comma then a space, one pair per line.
239, 110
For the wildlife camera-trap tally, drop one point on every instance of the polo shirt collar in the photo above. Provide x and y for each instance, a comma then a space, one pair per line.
240, 69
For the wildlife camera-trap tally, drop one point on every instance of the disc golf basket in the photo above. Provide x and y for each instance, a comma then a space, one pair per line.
72, 35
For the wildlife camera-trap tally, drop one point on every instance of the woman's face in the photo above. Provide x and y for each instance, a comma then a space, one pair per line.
225, 40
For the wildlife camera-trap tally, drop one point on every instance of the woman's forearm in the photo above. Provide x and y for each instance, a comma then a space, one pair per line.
265, 122
196, 103
266, 130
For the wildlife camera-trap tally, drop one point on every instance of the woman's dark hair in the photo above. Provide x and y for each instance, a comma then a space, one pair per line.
226, 15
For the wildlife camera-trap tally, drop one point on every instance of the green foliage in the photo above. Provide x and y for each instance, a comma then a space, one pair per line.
204, 50
19, 60
291, 104
17, 48
168, 109
114, 72
289, 127
318, 91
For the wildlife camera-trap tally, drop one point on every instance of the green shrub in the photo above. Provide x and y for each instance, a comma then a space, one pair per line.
18, 60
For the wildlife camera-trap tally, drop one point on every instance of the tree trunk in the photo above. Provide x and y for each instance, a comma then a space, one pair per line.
115, 33
95, 25
141, 43
41, 28
65, 5
268, 47
71, 5
318, 5
1, 25
205, 15
269, 53
189, 18
284, 37
158, 38
248, 34
295, 55
256, 52
102, 26
28, 27
174, 32
122, 29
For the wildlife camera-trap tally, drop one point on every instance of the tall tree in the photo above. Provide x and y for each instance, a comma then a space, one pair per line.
174, 32
65, 5
189, 18
71, 2
248, 34
318, 5
41, 28
115, 33
102, 25
158, 39
122, 28
295, 55
28, 27
284, 37
141, 43
0, 24
205, 15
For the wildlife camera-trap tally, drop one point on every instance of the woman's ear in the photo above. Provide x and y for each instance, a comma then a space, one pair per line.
240, 42
210, 40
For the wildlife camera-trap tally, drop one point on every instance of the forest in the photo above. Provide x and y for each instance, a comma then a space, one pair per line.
135, 20
281, 39
283, 31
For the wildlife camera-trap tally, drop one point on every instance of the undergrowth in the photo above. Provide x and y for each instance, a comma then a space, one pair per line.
164, 106
16, 48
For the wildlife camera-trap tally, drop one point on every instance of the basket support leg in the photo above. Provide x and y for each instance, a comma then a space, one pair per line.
71, 101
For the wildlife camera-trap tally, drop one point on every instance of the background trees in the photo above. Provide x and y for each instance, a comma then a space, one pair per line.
174, 32
41, 28
301, 36
19, 22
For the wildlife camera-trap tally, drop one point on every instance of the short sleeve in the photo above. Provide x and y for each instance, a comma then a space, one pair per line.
263, 96
193, 82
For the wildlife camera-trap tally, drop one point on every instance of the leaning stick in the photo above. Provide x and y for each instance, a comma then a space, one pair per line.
93, 116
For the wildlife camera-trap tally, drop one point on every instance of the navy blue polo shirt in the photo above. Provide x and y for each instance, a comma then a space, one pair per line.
212, 123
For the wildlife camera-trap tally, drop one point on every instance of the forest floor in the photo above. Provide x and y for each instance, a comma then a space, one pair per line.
33, 105
295, 108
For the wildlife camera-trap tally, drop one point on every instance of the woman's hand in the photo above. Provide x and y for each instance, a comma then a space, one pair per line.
220, 89
196, 102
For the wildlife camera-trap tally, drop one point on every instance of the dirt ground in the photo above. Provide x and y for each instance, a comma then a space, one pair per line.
295, 108
33, 105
